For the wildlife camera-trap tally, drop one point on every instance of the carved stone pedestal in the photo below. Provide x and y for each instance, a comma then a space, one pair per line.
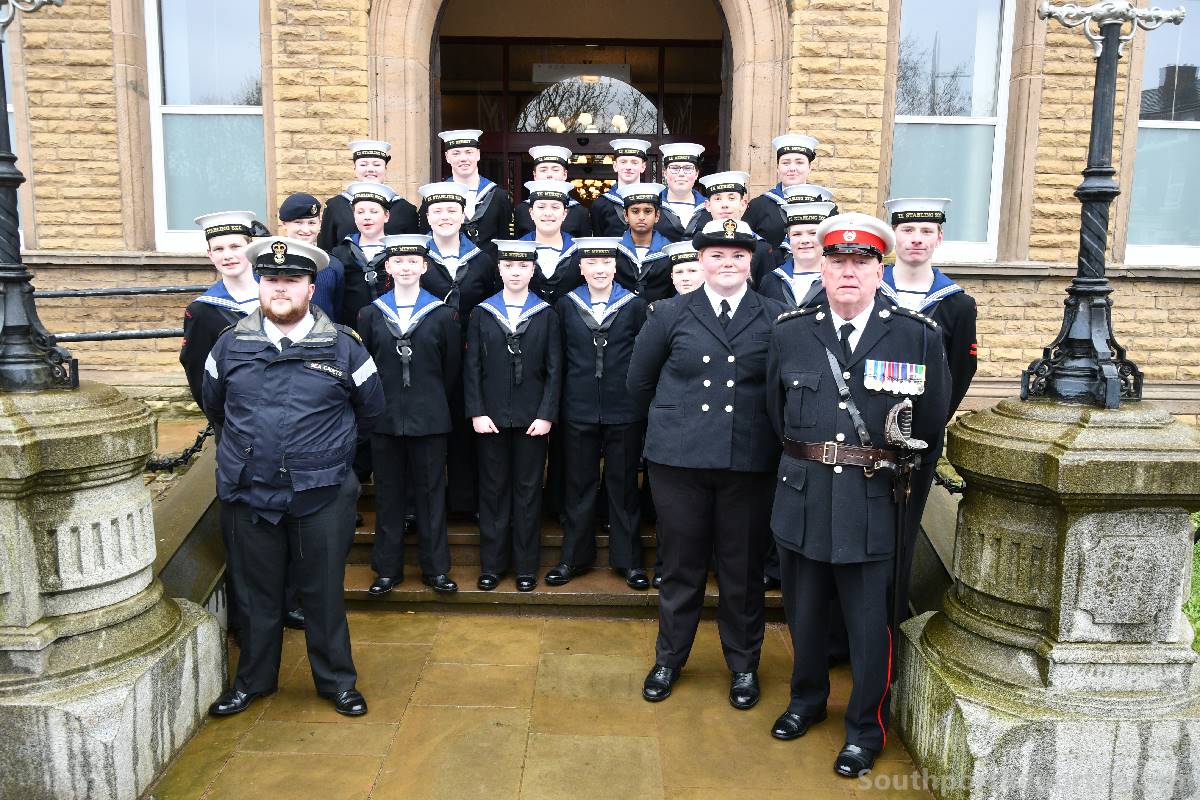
1060, 665
101, 677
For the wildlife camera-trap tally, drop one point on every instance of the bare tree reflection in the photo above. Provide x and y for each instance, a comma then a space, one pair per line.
589, 105
924, 89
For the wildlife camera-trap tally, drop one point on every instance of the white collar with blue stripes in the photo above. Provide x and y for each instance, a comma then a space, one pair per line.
942, 287
620, 297
568, 247
494, 305
657, 241
219, 296
466, 250
425, 303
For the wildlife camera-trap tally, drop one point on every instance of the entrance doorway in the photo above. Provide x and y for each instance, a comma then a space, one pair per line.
578, 94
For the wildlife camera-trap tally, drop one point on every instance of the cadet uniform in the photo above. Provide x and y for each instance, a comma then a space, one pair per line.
763, 214
833, 520
290, 407
600, 420
675, 222
734, 181
418, 350
710, 450
784, 283
489, 208
366, 278
608, 210
557, 269
512, 374
579, 219
330, 291
338, 221
644, 270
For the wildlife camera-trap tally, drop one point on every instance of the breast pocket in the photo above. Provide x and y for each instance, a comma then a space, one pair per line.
800, 398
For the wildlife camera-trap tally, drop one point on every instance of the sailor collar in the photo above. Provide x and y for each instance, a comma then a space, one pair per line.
620, 297
218, 295
494, 305
943, 286
422, 307
657, 242
467, 250
568, 247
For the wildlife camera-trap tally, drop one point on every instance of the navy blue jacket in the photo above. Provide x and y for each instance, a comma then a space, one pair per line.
586, 398
330, 290
289, 421
578, 222
475, 281
338, 220
490, 375
649, 277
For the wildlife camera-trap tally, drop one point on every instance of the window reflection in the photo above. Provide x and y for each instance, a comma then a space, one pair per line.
210, 53
1170, 85
588, 104
949, 58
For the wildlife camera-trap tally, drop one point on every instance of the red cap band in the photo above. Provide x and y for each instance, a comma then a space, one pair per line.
854, 237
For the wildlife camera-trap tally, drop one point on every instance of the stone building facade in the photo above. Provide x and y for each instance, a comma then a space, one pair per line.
87, 106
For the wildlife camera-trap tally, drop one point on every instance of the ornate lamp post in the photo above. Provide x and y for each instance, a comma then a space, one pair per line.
30, 360
1084, 363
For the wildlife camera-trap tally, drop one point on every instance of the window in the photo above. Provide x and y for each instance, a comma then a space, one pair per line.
1166, 166
951, 101
206, 114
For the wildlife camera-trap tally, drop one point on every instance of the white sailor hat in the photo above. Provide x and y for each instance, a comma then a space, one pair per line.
725, 233
281, 255
806, 193
443, 192
631, 147
369, 190
856, 233
548, 153
795, 143
406, 244
813, 213
370, 148
917, 209
220, 223
641, 193
549, 190
597, 246
681, 151
732, 181
515, 249
680, 252
467, 137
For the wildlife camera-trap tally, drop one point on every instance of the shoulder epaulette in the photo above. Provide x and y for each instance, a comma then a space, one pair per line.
348, 330
915, 315
799, 312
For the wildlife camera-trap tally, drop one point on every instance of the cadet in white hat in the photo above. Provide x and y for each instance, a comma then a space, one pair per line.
794, 155
550, 163
681, 201
370, 158
797, 281
686, 276
641, 265
807, 193
725, 198
362, 252
629, 163
489, 209
558, 270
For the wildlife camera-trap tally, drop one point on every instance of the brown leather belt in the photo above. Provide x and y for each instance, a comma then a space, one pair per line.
838, 453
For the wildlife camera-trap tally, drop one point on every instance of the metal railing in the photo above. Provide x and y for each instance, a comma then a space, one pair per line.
119, 291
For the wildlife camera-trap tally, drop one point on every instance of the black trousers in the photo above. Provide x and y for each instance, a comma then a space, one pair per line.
554, 493
462, 495
864, 591
700, 510
621, 447
511, 466
317, 544
416, 463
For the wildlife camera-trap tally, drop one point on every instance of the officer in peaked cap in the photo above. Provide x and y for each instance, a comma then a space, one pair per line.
292, 392
698, 368
680, 200
489, 208
370, 158
835, 371
550, 163
794, 155
630, 157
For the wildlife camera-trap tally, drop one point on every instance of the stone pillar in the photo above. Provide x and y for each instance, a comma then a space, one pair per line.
1060, 665
102, 679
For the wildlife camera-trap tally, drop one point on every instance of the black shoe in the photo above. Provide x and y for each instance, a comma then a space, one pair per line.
526, 583
853, 761
743, 690
658, 683
657, 582
233, 701
792, 726
487, 581
294, 619
350, 703
561, 574
771, 583
382, 586
440, 583
635, 578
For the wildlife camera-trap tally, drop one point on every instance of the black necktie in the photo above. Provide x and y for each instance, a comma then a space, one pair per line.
844, 337
284, 343
724, 316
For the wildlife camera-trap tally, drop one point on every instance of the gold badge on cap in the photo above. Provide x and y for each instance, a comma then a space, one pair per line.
314, 210
280, 251
730, 228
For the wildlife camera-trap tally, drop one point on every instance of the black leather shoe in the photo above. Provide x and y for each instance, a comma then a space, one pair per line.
561, 574
635, 578
440, 583
232, 701
350, 703
487, 581
382, 586
743, 690
854, 760
658, 683
771, 583
294, 619
526, 583
657, 582
792, 726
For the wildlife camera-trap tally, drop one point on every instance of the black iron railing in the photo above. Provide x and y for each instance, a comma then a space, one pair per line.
119, 291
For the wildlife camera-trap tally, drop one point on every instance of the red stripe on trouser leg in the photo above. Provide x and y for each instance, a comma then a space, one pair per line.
887, 686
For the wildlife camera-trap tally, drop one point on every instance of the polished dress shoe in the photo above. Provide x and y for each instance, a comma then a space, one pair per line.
635, 578
854, 760
526, 583
440, 583
233, 701
771, 583
294, 619
381, 586
561, 574
487, 581
349, 703
792, 726
659, 682
743, 690
657, 582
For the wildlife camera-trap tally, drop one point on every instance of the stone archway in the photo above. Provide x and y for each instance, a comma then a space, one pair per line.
399, 42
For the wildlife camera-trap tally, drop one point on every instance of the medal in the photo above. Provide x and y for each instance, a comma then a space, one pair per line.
896, 377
